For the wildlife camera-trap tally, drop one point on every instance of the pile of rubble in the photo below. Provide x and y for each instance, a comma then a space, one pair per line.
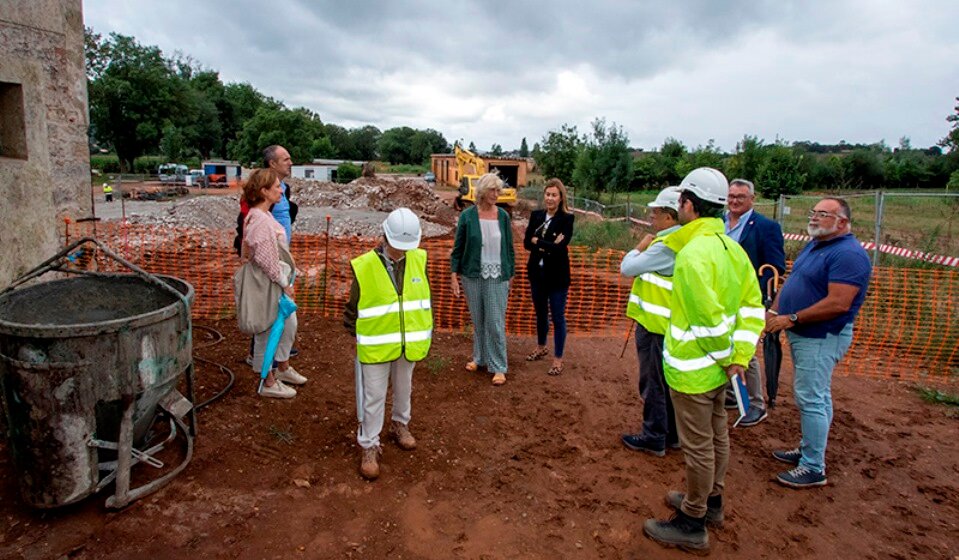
355, 209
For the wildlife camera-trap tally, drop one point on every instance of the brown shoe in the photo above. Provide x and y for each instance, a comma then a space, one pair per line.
401, 433
370, 466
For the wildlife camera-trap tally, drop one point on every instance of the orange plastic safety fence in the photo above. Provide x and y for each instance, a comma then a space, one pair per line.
908, 327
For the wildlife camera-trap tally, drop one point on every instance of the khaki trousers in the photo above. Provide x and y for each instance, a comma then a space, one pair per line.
703, 433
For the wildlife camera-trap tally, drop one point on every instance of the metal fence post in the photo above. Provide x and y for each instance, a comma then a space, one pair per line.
781, 209
880, 200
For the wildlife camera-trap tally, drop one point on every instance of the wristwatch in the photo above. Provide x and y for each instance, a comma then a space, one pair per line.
794, 318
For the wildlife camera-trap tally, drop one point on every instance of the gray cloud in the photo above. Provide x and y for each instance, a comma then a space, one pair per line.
498, 71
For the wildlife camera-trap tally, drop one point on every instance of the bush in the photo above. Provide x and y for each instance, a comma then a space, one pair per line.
105, 163
347, 172
606, 234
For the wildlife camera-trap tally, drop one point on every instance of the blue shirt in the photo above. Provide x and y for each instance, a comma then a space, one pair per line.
737, 232
838, 260
281, 212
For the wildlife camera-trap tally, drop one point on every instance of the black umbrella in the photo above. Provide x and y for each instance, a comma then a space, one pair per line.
772, 345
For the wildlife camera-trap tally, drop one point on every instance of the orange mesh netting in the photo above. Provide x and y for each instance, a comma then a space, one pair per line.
908, 327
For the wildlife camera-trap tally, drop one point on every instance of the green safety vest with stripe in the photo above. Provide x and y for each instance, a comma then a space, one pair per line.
649, 298
716, 310
389, 325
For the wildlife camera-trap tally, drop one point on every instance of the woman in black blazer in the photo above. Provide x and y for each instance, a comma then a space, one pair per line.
547, 237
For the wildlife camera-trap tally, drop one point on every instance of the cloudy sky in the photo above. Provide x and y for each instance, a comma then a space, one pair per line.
853, 70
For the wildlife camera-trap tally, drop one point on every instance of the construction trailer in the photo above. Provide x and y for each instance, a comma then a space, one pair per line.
321, 169
221, 173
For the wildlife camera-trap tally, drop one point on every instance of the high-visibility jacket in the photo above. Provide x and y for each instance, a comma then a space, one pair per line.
389, 325
716, 310
107, 189
649, 298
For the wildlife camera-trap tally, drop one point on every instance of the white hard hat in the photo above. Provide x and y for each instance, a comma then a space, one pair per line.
402, 229
667, 198
708, 184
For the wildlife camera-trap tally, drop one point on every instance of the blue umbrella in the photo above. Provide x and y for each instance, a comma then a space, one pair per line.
286, 308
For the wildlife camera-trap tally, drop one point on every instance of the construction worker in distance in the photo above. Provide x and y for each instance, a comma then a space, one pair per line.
389, 312
716, 317
108, 192
651, 264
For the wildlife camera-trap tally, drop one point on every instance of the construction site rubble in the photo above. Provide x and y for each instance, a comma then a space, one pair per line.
355, 209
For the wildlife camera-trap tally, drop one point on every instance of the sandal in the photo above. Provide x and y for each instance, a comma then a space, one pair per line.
471, 366
537, 354
499, 379
555, 370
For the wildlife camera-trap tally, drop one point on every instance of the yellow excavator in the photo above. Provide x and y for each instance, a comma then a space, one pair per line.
471, 167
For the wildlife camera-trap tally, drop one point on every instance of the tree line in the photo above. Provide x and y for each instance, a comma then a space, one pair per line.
601, 161
144, 103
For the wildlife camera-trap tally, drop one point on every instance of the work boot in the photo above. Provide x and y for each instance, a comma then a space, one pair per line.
370, 465
714, 506
688, 533
401, 433
637, 443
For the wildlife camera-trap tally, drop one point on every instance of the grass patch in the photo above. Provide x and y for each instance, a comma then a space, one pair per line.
437, 364
285, 436
611, 235
935, 396
408, 168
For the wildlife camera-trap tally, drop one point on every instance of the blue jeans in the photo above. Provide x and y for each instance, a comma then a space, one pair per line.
548, 302
813, 362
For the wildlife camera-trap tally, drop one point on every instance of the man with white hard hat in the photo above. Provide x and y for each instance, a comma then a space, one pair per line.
715, 318
651, 264
389, 312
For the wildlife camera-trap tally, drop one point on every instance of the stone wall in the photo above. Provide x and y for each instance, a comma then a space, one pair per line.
44, 158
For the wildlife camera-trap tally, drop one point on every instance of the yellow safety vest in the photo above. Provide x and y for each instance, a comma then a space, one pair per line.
389, 325
649, 298
107, 189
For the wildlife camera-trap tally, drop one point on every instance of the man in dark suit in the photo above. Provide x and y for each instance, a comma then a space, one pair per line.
762, 240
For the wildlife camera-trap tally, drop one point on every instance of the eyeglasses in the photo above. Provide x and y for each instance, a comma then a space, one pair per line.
739, 196
820, 214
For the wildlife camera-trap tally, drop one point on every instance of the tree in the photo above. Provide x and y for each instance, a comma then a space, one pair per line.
670, 154
951, 140
173, 144
605, 161
347, 172
863, 169
496, 150
559, 151
364, 141
394, 145
749, 158
294, 129
782, 172
132, 97
523, 149
425, 143
702, 156
472, 147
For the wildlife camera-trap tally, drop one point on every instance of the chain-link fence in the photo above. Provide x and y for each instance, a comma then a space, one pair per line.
897, 228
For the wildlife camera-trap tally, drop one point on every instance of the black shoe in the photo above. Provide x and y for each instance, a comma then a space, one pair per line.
792, 456
730, 403
802, 477
674, 445
753, 417
637, 443
714, 507
682, 530
294, 352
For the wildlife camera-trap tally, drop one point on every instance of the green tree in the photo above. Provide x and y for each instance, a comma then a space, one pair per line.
322, 147
749, 158
294, 129
496, 150
173, 144
559, 151
863, 169
782, 172
671, 153
364, 141
347, 172
472, 147
605, 161
394, 145
523, 148
951, 140
424, 143
132, 97
703, 156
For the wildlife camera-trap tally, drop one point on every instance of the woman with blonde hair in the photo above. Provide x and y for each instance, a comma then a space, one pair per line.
547, 238
483, 259
265, 246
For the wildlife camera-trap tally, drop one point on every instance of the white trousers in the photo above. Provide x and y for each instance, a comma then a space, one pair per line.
375, 379
282, 349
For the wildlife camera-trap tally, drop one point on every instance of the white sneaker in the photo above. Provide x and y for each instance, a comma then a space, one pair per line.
290, 376
278, 391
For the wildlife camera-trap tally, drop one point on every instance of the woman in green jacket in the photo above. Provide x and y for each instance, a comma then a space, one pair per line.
483, 258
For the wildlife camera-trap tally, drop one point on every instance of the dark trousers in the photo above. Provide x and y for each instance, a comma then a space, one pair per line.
659, 420
548, 302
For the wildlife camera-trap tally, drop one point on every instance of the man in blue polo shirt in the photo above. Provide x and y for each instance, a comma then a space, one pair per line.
816, 308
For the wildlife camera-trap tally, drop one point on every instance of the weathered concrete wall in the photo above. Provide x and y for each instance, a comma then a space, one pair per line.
41, 51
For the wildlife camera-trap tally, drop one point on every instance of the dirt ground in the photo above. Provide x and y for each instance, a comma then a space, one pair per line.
533, 469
